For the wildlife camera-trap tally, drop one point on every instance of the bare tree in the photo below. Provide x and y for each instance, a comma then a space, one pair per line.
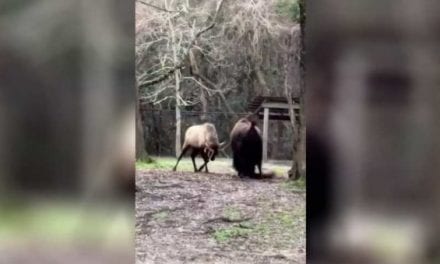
141, 153
179, 32
209, 55
294, 88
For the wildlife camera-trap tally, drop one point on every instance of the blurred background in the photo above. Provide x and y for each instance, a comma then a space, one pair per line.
67, 126
67, 140
372, 77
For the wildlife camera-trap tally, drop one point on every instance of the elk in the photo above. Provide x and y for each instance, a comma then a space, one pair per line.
247, 147
201, 139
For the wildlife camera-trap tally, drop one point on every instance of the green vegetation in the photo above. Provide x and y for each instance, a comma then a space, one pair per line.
167, 163
62, 222
240, 230
219, 165
295, 186
145, 158
289, 225
289, 8
160, 216
284, 219
279, 171
232, 213
225, 234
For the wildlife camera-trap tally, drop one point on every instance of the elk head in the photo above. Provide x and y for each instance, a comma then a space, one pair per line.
210, 152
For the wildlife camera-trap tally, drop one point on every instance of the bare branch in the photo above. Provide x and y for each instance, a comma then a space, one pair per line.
163, 99
156, 93
186, 54
161, 78
214, 20
221, 95
159, 8
201, 85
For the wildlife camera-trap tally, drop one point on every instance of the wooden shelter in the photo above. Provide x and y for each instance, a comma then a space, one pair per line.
271, 108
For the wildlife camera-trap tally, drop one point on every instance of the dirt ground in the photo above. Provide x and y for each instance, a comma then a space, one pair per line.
185, 217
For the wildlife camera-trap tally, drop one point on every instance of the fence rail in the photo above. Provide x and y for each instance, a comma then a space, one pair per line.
160, 131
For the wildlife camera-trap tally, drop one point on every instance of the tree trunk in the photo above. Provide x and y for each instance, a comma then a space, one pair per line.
299, 146
177, 83
293, 86
302, 120
178, 115
193, 56
264, 90
295, 58
204, 101
141, 153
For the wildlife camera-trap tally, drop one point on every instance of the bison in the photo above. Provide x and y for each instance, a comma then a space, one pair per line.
247, 147
201, 139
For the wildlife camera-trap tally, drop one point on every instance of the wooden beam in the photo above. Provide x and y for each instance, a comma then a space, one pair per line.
286, 118
276, 116
272, 113
265, 132
279, 105
275, 112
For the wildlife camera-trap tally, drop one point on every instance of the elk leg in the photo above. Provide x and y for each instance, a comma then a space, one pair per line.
206, 159
205, 165
193, 158
180, 157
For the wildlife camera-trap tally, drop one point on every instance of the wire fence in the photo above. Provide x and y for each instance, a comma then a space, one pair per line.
160, 131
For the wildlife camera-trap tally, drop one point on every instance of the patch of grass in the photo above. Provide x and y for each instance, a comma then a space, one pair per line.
295, 186
285, 219
276, 228
262, 229
61, 222
165, 164
247, 224
274, 222
153, 165
279, 171
243, 229
289, 8
225, 234
279, 228
145, 158
291, 223
160, 216
232, 213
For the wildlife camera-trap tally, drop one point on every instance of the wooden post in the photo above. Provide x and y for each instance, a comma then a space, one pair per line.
265, 132
178, 116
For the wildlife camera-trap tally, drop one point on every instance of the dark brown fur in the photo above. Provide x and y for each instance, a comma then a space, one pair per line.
247, 148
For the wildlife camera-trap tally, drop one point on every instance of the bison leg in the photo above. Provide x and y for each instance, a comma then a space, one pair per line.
249, 171
259, 169
180, 157
238, 165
